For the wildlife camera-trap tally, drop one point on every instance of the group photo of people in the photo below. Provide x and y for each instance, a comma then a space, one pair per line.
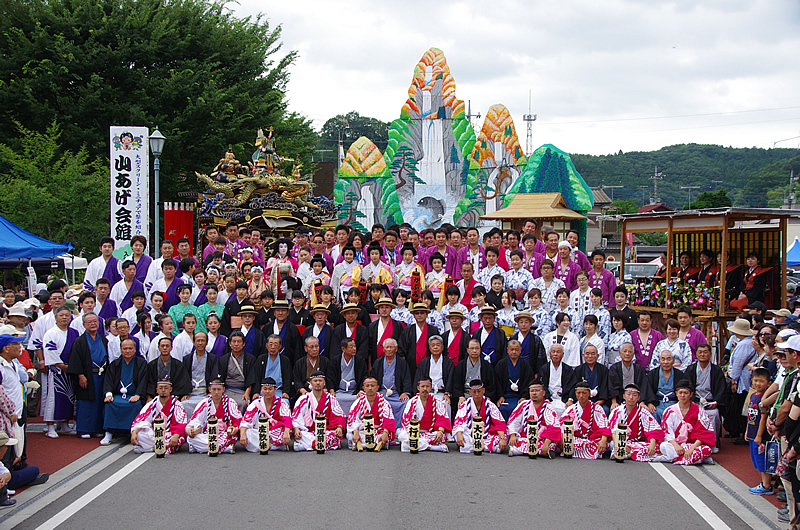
396, 338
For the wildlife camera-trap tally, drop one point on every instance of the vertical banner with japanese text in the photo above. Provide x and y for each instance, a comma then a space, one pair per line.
130, 184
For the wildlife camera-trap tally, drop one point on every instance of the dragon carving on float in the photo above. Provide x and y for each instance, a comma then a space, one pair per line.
266, 173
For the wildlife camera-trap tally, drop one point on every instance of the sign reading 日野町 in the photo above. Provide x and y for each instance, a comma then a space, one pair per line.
130, 184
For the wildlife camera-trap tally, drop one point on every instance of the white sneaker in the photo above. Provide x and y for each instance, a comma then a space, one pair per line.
714, 450
51, 433
86, 436
106, 439
137, 450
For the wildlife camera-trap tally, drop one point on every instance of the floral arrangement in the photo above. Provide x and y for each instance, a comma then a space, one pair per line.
654, 294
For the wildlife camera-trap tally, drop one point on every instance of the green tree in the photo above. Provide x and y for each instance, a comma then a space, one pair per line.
685, 165
625, 205
710, 199
54, 193
208, 79
652, 239
352, 126
769, 186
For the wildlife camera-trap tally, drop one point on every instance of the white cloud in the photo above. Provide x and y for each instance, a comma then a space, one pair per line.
584, 61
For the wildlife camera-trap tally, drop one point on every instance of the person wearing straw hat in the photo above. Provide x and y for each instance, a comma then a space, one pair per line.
413, 343
12, 480
456, 339
492, 339
230, 315
288, 332
779, 316
351, 329
382, 328
532, 348
321, 329
741, 356
254, 341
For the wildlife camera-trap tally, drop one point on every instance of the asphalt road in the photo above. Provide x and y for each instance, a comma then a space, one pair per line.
343, 489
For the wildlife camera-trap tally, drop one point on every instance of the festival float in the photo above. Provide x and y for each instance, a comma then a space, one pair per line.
269, 192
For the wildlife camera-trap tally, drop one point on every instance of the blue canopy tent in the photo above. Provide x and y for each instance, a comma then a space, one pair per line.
793, 254
16, 244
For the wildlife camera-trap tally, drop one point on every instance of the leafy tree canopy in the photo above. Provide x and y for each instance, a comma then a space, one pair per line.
208, 79
625, 205
54, 193
351, 126
709, 199
706, 166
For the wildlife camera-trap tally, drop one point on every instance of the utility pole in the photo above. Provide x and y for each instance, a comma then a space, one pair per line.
792, 195
644, 194
470, 115
344, 131
689, 191
529, 119
657, 175
612, 190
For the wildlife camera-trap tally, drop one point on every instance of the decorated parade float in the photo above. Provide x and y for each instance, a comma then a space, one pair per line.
269, 192
437, 168
730, 234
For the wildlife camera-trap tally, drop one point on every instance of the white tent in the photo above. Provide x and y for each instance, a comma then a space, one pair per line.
80, 263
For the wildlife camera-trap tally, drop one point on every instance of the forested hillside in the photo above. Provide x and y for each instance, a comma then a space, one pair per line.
752, 176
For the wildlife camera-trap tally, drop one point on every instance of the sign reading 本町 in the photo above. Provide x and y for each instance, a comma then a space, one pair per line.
130, 184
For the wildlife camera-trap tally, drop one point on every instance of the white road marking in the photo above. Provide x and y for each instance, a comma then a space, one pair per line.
686, 494
95, 492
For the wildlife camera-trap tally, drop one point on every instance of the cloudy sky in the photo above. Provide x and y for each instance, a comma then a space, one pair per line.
602, 75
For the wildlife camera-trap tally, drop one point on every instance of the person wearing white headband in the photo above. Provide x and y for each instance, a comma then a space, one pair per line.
494, 426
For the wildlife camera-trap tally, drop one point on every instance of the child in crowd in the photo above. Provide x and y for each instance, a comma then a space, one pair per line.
756, 425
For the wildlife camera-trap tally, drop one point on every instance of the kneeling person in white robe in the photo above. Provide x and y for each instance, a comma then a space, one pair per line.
372, 402
311, 404
433, 421
278, 414
171, 410
228, 419
494, 426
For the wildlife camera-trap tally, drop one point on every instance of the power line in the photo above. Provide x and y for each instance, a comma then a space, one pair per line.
670, 117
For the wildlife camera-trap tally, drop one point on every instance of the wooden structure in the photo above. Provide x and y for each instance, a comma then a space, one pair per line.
734, 232
547, 208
